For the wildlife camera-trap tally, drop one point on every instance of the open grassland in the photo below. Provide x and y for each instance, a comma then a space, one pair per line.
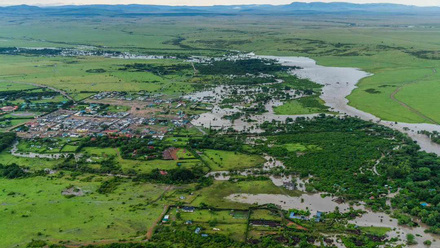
224, 160
265, 214
33, 164
204, 215
402, 87
302, 106
38, 204
230, 223
376, 230
77, 76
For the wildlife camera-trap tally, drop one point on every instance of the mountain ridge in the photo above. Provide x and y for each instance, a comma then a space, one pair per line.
265, 9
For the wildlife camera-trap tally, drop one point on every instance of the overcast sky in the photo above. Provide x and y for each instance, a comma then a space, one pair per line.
206, 2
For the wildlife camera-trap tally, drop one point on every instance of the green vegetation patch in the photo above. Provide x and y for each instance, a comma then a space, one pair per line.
39, 204
219, 160
301, 106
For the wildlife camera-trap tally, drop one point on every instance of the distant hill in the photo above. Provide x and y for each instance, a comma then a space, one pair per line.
290, 9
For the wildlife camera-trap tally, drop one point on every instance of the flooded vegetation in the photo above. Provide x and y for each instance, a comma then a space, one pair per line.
155, 126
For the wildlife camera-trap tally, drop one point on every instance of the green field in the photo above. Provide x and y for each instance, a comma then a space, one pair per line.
302, 106
263, 214
215, 195
72, 76
37, 204
225, 160
141, 166
411, 80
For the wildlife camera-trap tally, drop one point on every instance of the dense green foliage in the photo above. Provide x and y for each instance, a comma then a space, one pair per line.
240, 67
6, 140
12, 171
130, 147
158, 70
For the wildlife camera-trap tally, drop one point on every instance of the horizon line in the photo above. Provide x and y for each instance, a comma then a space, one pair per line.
214, 5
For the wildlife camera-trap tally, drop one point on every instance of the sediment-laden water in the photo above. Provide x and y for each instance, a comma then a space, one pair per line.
339, 82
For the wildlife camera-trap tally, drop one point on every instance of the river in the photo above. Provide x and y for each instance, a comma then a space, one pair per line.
339, 82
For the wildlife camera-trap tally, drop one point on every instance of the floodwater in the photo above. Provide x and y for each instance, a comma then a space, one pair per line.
215, 118
339, 83
316, 202
271, 163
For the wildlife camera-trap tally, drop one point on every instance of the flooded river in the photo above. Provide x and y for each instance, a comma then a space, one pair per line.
339, 83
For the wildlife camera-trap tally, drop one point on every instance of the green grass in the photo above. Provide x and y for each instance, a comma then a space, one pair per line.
215, 195
207, 215
7, 158
302, 106
210, 221
184, 154
12, 123
37, 204
263, 214
69, 148
380, 231
140, 166
225, 160
394, 70
52, 146
297, 147
73, 78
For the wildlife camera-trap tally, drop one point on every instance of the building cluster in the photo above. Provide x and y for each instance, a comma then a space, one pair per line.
89, 122
126, 97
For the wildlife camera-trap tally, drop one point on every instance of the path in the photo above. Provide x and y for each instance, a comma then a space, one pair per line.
375, 165
415, 111
194, 68
201, 130
151, 230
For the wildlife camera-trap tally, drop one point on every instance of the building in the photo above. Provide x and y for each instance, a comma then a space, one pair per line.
166, 218
289, 185
318, 216
188, 209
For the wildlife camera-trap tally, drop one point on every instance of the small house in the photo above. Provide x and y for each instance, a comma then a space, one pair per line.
166, 218
188, 209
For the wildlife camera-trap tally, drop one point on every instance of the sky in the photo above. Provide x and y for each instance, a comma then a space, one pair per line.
206, 2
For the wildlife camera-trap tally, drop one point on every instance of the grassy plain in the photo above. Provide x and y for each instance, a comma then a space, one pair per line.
226, 160
302, 106
215, 195
38, 205
70, 75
